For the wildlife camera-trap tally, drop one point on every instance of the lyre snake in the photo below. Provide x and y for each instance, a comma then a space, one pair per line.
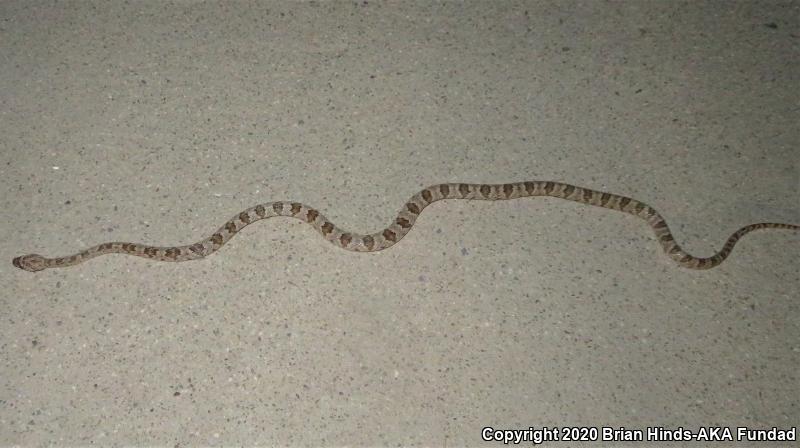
402, 225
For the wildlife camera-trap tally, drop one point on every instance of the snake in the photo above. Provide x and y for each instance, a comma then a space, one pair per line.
403, 223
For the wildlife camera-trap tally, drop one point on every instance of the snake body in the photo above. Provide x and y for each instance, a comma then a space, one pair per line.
402, 225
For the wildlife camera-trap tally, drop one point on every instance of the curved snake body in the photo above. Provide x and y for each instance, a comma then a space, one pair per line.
402, 225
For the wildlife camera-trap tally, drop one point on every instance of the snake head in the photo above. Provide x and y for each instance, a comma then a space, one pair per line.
32, 262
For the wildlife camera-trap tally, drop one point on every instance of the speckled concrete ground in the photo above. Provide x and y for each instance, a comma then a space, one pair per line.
155, 122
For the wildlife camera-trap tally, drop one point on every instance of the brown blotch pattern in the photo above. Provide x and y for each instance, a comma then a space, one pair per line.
244, 217
426, 194
368, 241
296, 208
345, 239
327, 228
412, 207
485, 190
230, 226
216, 239
171, 253
402, 222
463, 189
278, 207
444, 189
312, 215
508, 189
389, 235
261, 211
530, 187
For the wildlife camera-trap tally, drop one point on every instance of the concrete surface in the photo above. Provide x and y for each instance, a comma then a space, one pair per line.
155, 122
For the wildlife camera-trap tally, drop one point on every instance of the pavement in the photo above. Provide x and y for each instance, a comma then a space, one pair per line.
155, 122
